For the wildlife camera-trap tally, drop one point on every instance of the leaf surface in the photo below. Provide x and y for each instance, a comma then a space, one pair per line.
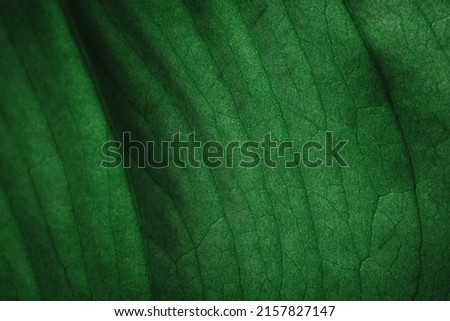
78, 73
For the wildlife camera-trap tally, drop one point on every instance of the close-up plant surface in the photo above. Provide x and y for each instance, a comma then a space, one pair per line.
75, 74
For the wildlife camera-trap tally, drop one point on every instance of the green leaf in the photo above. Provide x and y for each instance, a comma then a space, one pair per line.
78, 73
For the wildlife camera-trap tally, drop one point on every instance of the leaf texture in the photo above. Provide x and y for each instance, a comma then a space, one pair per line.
78, 73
